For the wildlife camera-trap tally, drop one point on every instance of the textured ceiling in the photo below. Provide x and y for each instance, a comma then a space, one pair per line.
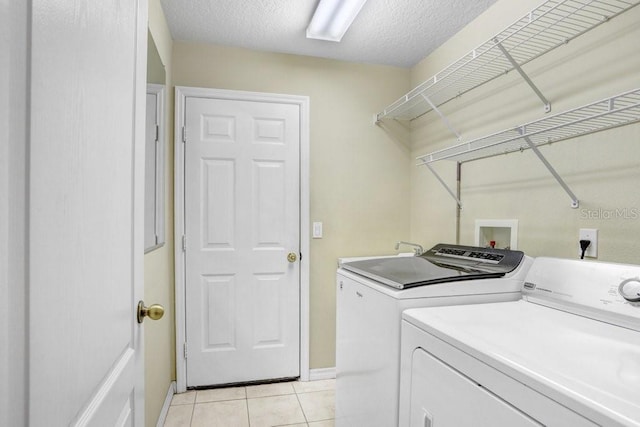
390, 32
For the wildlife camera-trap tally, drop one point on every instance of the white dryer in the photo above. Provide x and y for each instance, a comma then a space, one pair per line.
567, 354
371, 295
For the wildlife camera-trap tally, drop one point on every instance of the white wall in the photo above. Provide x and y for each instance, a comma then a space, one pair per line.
13, 71
603, 169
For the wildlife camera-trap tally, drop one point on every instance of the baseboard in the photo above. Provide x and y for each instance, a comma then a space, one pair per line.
167, 402
322, 374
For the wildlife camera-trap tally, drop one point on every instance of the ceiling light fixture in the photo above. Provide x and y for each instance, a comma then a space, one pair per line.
333, 18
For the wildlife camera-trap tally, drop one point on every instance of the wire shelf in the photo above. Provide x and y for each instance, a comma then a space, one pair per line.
611, 112
550, 25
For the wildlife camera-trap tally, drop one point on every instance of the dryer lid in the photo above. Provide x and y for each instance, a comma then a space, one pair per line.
589, 366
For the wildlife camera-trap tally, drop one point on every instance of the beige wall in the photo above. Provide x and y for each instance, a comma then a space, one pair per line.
158, 264
359, 172
603, 169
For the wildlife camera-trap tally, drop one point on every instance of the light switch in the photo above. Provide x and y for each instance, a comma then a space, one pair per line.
317, 230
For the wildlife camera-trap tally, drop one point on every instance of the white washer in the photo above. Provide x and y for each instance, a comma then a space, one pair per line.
369, 318
567, 354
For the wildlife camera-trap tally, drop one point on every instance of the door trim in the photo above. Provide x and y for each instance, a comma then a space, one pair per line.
159, 91
181, 94
140, 105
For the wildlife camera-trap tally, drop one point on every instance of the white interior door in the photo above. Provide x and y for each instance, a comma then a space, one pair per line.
86, 212
242, 220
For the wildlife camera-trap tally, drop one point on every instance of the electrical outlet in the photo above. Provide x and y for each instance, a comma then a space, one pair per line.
590, 234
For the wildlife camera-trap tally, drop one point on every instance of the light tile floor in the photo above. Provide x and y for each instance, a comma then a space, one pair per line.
291, 404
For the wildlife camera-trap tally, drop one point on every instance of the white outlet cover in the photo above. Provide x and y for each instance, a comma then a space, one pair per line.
592, 235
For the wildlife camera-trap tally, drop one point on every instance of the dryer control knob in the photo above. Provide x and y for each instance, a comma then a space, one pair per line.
630, 289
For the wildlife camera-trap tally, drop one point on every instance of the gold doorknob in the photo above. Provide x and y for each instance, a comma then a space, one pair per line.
292, 257
154, 311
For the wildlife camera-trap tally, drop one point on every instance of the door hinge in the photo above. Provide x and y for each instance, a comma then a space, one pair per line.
157, 133
185, 350
184, 134
184, 243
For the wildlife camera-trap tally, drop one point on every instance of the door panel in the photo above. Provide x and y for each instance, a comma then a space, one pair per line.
242, 218
219, 301
268, 312
269, 185
218, 226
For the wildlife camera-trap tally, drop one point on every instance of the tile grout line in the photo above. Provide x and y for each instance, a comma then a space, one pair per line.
246, 402
306, 421
193, 410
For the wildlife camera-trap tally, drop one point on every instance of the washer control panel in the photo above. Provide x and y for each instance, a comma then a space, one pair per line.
477, 254
485, 259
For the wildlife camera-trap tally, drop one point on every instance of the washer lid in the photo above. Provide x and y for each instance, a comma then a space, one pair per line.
440, 264
589, 366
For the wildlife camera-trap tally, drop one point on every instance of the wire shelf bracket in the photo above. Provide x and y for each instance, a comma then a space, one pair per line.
552, 24
442, 117
444, 184
525, 77
616, 111
575, 203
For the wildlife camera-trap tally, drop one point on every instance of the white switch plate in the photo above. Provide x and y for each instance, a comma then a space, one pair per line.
317, 230
592, 235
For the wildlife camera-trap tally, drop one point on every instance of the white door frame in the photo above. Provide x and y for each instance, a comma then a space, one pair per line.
159, 91
303, 102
